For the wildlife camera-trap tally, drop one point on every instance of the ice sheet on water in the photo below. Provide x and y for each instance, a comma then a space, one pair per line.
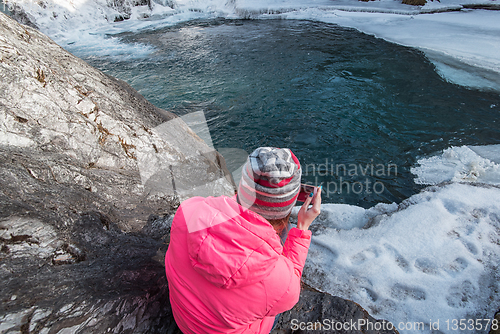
348, 217
490, 152
88, 28
433, 257
475, 164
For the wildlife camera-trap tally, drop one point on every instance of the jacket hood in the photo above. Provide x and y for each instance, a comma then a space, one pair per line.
229, 245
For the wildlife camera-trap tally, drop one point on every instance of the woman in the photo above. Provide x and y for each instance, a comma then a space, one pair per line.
227, 269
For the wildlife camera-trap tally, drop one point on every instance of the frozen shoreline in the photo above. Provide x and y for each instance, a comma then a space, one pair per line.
431, 258
463, 44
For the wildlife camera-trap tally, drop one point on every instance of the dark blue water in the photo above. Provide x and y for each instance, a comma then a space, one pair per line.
356, 110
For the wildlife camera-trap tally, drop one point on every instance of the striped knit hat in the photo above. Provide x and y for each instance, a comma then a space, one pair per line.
270, 182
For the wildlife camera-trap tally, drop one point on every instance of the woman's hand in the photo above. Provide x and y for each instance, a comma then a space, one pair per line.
308, 214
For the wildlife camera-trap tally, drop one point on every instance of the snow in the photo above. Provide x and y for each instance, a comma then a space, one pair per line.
475, 164
432, 258
463, 44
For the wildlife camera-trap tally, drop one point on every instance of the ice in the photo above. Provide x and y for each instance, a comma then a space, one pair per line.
463, 44
490, 152
432, 258
427, 261
475, 164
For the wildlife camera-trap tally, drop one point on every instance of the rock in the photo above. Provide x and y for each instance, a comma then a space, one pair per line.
318, 312
414, 2
89, 173
487, 6
73, 139
94, 279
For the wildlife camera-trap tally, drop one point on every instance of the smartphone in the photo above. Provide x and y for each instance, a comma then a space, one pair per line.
305, 190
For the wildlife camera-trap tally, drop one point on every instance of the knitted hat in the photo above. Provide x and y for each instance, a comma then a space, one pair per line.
270, 182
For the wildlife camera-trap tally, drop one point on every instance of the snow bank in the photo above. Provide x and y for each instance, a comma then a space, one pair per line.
432, 258
475, 164
428, 262
464, 46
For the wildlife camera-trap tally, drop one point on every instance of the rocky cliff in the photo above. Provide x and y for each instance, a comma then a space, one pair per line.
90, 175
89, 141
85, 162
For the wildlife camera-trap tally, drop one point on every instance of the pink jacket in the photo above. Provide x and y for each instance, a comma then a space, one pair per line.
227, 271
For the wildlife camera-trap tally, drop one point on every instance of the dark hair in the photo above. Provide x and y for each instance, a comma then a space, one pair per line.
279, 224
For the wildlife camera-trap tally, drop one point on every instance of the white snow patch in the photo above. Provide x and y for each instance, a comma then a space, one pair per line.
435, 258
475, 164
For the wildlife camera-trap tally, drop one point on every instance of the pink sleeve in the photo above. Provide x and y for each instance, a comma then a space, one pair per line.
296, 247
295, 250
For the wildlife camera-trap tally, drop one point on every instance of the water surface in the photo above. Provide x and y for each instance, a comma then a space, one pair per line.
355, 109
